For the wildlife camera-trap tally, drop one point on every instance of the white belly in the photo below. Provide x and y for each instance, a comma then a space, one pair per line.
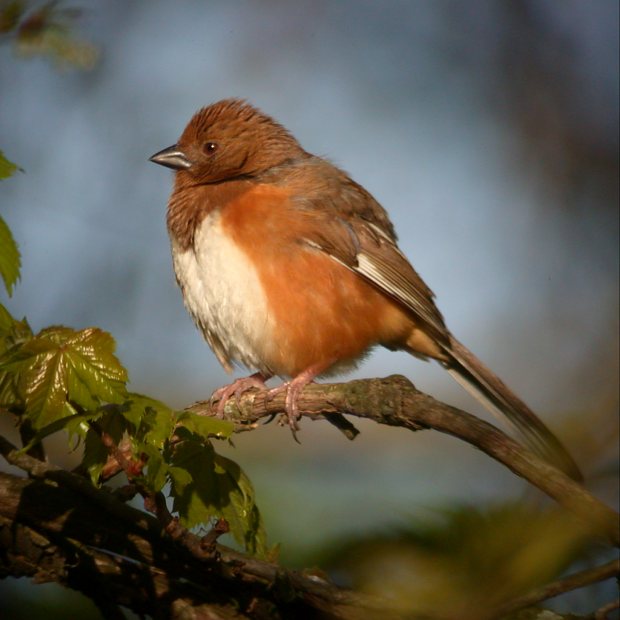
223, 293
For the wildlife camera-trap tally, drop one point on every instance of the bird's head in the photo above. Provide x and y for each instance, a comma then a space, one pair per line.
228, 140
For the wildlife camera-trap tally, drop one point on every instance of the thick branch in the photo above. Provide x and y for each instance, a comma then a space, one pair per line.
52, 531
396, 402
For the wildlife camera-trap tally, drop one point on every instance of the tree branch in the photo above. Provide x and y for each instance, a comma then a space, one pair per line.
53, 532
396, 402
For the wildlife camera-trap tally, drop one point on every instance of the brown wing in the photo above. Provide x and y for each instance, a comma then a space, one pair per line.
354, 229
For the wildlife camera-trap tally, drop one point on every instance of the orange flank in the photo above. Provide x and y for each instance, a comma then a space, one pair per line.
323, 311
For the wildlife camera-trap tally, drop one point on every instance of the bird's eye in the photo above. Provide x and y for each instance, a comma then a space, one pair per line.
209, 147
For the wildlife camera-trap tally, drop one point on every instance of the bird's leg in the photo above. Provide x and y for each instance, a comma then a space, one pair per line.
293, 389
237, 388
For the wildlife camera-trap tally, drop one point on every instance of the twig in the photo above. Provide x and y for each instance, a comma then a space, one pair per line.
572, 582
120, 454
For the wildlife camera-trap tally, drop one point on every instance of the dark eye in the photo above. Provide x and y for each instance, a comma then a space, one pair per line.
209, 147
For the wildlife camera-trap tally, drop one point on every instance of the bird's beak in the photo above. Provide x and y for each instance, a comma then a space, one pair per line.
172, 157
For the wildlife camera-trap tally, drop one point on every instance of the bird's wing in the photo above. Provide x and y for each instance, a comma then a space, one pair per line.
352, 228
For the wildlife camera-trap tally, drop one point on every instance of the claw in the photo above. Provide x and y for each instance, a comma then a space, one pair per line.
237, 388
293, 390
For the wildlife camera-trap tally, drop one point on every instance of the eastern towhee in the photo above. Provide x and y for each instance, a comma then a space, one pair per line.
291, 268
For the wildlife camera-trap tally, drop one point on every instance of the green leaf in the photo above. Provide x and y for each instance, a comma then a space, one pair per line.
157, 421
192, 475
205, 426
91, 352
137, 404
12, 331
6, 321
242, 514
9, 391
7, 168
95, 453
205, 485
61, 365
95, 456
10, 261
157, 469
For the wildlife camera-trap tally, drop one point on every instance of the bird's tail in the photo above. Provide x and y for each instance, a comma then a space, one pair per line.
489, 389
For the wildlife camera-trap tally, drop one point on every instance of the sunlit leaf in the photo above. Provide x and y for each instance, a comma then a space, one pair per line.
10, 261
61, 365
157, 421
9, 391
134, 408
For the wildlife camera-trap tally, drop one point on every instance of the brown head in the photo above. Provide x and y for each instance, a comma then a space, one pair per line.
227, 140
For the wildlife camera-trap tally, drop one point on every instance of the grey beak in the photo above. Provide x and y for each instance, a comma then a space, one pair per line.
172, 157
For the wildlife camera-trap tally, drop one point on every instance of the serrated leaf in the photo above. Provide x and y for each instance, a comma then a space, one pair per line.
194, 490
6, 321
7, 168
95, 456
157, 469
134, 408
242, 514
12, 334
60, 365
10, 261
205, 485
91, 352
180, 478
95, 453
205, 426
12, 331
157, 422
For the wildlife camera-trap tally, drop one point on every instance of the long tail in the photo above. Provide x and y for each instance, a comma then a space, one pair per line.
489, 389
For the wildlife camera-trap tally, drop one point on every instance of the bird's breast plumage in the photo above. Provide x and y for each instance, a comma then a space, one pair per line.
224, 295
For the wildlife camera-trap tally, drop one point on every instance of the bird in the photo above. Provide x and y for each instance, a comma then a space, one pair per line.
292, 269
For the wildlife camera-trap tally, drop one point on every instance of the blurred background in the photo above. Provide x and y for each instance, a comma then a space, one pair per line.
489, 131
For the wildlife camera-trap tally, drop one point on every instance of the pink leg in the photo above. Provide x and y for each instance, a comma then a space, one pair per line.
237, 388
293, 389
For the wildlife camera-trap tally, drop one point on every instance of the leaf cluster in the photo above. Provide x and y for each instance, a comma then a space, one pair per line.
62, 379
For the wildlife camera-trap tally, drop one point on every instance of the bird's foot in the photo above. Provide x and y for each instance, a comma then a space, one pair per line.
293, 390
237, 388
